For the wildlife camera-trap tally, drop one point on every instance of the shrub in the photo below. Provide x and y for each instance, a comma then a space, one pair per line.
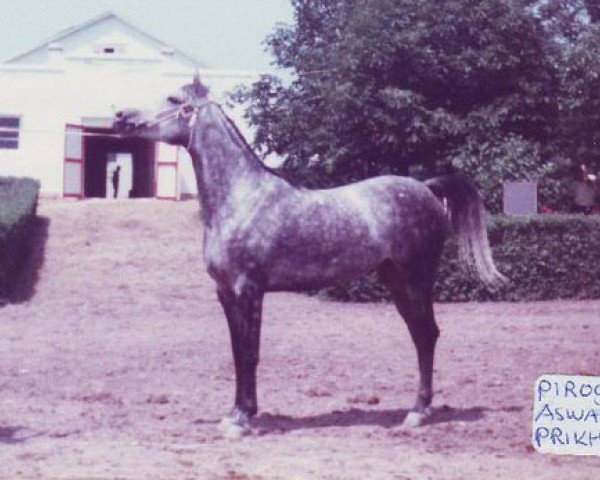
545, 257
18, 203
490, 163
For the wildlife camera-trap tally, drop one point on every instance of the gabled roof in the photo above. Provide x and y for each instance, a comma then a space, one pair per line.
94, 21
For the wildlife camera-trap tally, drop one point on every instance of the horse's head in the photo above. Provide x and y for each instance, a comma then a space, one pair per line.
171, 121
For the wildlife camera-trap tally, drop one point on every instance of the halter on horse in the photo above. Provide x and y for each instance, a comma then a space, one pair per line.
262, 234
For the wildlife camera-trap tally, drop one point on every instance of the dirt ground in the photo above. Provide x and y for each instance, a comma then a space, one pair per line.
116, 364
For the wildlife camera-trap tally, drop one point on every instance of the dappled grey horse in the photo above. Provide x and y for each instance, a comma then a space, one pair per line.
262, 234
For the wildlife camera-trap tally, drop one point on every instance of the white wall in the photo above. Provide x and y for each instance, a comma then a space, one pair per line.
37, 97
49, 98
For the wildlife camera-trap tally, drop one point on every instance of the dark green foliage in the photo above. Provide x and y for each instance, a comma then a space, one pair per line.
496, 89
380, 86
580, 121
18, 202
511, 158
545, 257
574, 28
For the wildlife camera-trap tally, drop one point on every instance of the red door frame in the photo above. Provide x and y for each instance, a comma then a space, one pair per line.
79, 161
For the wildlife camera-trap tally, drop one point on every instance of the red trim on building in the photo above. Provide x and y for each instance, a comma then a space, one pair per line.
79, 161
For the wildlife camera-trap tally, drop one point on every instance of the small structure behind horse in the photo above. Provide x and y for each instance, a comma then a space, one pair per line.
262, 234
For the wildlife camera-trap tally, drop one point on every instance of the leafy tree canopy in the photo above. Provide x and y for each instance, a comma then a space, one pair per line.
575, 27
421, 86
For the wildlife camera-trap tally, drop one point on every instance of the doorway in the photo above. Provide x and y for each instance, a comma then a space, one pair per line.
104, 152
119, 175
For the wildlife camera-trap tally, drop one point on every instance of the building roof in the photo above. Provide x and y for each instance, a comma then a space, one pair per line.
107, 16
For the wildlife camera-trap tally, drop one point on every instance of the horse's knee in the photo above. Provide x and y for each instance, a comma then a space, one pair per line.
425, 334
225, 295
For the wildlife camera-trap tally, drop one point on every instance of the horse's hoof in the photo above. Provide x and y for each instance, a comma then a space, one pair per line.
231, 428
416, 419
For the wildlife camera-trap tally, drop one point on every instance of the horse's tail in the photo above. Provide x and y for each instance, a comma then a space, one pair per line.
468, 216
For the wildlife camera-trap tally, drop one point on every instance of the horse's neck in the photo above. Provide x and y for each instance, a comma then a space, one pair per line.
222, 171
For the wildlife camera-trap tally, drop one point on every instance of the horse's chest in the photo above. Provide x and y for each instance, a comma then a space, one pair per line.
225, 255
216, 253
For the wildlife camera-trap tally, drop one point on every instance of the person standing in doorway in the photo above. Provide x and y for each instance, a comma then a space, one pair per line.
115, 180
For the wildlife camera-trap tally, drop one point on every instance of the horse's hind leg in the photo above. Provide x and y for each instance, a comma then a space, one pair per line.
413, 299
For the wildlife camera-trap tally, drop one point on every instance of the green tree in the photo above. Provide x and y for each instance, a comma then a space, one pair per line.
398, 86
575, 27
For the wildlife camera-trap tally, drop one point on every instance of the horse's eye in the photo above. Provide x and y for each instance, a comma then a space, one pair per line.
188, 109
175, 100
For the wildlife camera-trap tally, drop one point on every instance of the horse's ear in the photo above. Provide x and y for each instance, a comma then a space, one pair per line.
199, 89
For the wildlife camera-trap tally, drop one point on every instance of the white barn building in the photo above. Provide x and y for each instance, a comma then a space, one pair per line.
57, 103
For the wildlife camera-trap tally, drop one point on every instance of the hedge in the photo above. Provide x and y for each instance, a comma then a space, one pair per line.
545, 257
18, 204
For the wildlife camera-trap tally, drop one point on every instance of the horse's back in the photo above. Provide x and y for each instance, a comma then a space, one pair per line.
386, 214
394, 200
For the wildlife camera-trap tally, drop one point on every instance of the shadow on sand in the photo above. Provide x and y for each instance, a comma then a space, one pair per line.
25, 283
267, 423
8, 435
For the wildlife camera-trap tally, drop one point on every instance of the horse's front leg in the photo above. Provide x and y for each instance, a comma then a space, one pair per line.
243, 309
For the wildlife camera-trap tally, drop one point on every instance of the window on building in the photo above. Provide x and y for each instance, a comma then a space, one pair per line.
110, 49
9, 132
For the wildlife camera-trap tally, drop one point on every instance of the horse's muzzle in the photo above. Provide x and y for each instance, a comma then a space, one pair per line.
126, 120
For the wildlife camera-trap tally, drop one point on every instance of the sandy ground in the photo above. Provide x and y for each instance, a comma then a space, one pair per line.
116, 364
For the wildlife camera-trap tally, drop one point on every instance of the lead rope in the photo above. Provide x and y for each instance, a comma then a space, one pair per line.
187, 110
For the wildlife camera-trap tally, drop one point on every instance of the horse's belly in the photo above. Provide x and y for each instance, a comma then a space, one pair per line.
311, 278
316, 271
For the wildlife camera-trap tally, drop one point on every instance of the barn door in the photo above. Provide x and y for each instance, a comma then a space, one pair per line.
167, 171
74, 162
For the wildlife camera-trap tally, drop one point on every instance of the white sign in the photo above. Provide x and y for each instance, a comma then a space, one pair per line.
520, 198
566, 415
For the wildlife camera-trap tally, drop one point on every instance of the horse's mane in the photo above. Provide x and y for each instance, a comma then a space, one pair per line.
249, 150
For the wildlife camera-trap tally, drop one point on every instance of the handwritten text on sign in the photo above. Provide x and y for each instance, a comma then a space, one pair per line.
566, 415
